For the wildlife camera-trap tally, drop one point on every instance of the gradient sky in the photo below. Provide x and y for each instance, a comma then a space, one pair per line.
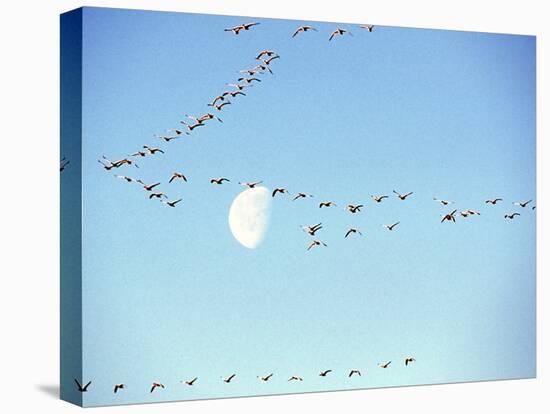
169, 294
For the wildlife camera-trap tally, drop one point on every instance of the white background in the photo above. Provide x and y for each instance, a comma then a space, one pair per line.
29, 192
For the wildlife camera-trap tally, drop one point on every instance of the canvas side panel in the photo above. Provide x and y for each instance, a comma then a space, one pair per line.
71, 206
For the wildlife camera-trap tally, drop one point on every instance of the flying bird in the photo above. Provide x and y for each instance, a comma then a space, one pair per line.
63, 163
167, 138
218, 181
239, 86
311, 230
444, 202
295, 378
138, 154
233, 93
449, 217
339, 32
409, 360
279, 190
384, 364
352, 231
251, 185
521, 203
354, 208
266, 378
493, 201
177, 175
148, 187
271, 59
326, 204
402, 196
390, 227
190, 382
369, 27
267, 53
252, 71
118, 387
263, 68
301, 195
354, 371
325, 373
379, 198
157, 195
303, 29
228, 379
156, 385
82, 388
220, 106
191, 127
175, 131
126, 178
467, 213
237, 29
249, 80
153, 150
171, 203
315, 243
511, 215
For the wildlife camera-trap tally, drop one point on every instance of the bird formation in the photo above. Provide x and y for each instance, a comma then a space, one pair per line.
154, 386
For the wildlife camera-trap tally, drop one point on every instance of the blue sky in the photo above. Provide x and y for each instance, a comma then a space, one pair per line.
169, 294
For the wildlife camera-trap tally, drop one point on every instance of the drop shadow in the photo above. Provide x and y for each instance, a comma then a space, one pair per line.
51, 390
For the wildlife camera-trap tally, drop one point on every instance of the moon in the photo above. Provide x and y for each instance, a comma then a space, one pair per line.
249, 216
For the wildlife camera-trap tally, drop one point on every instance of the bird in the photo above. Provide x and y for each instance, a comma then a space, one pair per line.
218, 181
449, 217
190, 382
409, 360
295, 378
82, 388
311, 230
171, 203
354, 208
533, 208
369, 27
63, 163
126, 178
233, 93
326, 204
390, 227
175, 131
268, 53
177, 175
315, 243
148, 187
105, 165
237, 29
138, 154
444, 202
269, 60
193, 126
249, 80
239, 86
251, 185
153, 150
301, 195
220, 106
303, 29
511, 215
352, 230
379, 198
208, 116
252, 71
229, 378
167, 138
325, 373
118, 387
402, 196
521, 203
339, 32
384, 364
266, 378
216, 99
157, 195
156, 385
467, 213
263, 68
354, 371
493, 201
279, 190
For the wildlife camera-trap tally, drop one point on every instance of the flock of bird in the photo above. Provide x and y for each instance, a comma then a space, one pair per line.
407, 361
248, 78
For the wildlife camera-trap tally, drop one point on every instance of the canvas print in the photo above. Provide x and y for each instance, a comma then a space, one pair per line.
254, 206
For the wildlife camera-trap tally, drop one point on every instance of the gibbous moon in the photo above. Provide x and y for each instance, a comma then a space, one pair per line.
249, 216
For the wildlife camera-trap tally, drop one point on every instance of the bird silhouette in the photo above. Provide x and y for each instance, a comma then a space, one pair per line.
354, 208
352, 231
379, 198
511, 215
311, 230
229, 379
315, 243
449, 217
339, 32
493, 201
279, 190
409, 360
354, 371
295, 378
171, 203
303, 29
266, 378
82, 388
190, 382
301, 195
177, 175
326, 204
402, 196
369, 27
118, 387
521, 203
390, 227
156, 385
237, 29
218, 181
325, 373
384, 364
